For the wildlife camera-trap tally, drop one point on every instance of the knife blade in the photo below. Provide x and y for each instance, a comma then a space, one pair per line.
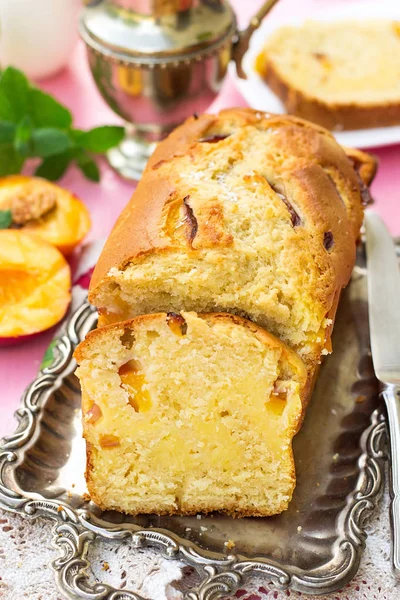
384, 299
383, 276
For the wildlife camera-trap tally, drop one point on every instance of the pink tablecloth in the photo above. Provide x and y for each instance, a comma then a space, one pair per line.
74, 87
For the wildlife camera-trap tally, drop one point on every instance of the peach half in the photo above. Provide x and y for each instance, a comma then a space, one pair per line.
45, 209
35, 283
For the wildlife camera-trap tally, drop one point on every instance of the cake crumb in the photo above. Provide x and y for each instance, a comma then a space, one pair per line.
198, 516
299, 529
335, 457
188, 529
105, 566
203, 528
85, 496
230, 544
60, 508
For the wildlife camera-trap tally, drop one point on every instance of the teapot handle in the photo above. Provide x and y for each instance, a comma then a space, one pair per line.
241, 43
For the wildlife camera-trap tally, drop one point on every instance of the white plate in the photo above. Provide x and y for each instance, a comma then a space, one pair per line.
259, 95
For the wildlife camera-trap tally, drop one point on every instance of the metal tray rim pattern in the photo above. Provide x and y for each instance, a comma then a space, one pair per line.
75, 529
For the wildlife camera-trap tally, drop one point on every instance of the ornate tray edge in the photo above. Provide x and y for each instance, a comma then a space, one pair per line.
76, 529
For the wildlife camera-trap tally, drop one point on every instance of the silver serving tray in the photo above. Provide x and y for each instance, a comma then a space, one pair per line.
314, 547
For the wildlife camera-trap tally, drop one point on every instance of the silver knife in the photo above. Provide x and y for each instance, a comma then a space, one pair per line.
384, 322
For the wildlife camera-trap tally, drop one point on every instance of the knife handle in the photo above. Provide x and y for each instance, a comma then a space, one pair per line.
391, 395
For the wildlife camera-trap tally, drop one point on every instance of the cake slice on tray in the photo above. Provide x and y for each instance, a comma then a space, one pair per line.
190, 413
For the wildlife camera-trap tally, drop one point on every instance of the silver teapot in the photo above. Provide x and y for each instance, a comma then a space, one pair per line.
155, 62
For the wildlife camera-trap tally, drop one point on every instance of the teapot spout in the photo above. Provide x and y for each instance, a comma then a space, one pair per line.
242, 41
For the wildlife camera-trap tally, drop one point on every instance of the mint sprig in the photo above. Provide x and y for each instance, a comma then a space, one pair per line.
33, 124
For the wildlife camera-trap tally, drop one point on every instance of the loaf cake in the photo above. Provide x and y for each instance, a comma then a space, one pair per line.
244, 213
217, 291
186, 413
343, 75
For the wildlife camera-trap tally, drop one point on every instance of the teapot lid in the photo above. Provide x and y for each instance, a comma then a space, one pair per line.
159, 29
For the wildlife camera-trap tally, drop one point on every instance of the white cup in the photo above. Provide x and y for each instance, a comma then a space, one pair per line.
38, 36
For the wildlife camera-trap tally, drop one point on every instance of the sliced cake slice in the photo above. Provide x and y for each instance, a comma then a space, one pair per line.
340, 74
187, 413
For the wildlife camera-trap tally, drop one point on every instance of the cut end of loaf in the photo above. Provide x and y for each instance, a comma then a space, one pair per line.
283, 306
187, 413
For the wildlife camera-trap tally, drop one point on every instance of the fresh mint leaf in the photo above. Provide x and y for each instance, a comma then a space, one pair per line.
76, 135
48, 355
47, 112
23, 136
101, 139
48, 141
54, 167
15, 86
5, 219
10, 161
34, 124
88, 166
7, 112
7, 132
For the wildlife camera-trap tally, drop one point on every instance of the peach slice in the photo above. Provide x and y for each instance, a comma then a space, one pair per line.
45, 209
133, 381
35, 283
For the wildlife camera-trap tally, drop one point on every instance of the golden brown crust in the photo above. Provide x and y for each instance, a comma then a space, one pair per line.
139, 229
88, 473
336, 117
365, 164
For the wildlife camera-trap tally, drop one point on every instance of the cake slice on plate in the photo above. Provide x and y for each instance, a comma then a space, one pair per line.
343, 75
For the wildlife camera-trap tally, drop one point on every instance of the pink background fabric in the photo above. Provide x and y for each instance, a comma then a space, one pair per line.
74, 87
